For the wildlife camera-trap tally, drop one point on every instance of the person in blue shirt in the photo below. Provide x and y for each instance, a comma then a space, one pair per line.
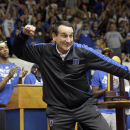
18, 25
97, 46
100, 6
99, 86
95, 28
85, 34
10, 75
33, 40
17, 31
34, 77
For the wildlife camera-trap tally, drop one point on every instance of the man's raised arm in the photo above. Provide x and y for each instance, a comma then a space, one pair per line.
27, 52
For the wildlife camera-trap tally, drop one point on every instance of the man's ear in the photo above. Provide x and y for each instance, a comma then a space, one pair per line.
54, 36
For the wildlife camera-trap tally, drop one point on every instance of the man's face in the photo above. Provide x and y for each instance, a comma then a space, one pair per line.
112, 27
98, 42
4, 51
64, 39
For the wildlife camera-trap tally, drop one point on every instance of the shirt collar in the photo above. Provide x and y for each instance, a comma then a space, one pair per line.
62, 55
60, 52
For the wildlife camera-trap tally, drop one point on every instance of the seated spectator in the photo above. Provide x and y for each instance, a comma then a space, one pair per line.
17, 31
39, 17
97, 46
33, 40
85, 34
39, 33
99, 86
34, 77
96, 29
33, 21
17, 26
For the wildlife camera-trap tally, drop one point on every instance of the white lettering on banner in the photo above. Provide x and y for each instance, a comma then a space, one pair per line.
115, 81
104, 80
85, 32
5, 72
39, 83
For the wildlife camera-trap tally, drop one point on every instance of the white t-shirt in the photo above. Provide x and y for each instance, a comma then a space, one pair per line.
8, 24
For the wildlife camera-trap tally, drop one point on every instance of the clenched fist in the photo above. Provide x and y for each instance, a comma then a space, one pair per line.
29, 30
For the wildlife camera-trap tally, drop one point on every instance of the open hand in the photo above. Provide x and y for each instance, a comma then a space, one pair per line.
12, 71
22, 73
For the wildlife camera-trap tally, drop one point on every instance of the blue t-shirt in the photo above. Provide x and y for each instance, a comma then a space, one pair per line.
100, 79
46, 26
31, 79
85, 37
98, 49
6, 92
36, 40
97, 32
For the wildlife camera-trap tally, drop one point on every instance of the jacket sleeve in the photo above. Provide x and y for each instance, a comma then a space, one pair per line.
27, 52
98, 61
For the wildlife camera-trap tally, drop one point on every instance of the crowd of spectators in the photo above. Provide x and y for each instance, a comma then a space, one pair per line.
97, 23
